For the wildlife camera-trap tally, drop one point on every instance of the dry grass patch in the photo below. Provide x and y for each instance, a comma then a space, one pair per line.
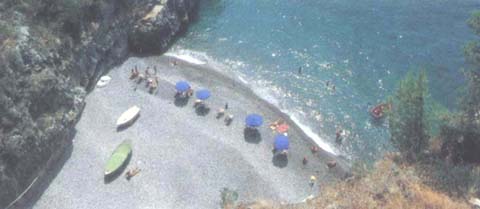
388, 186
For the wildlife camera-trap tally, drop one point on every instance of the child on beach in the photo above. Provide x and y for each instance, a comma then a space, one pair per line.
197, 103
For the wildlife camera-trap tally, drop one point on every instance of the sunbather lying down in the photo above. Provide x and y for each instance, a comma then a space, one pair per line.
134, 73
220, 113
132, 172
280, 152
228, 119
275, 124
197, 102
184, 94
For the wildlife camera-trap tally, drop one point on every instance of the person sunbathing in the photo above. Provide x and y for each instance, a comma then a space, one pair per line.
220, 113
134, 73
197, 103
228, 120
153, 85
141, 77
147, 72
151, 80
276, 123
132, 172
190, 92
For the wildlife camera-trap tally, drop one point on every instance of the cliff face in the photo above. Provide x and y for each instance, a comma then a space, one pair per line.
52, 53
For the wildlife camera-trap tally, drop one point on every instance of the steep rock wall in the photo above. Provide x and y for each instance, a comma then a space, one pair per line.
52, 53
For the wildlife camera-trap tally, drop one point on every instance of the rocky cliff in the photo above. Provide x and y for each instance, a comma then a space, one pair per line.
52, 53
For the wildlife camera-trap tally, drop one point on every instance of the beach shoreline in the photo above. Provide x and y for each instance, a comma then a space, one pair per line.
185, 159
239, 83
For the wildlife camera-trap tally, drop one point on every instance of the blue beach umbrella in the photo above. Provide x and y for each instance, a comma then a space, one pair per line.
182, 86
254, 120
203, 94
281, 142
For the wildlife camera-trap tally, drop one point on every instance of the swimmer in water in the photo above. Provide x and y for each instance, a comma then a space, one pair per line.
300, 70
338, 136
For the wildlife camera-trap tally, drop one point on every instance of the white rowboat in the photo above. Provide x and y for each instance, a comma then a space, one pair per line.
104, 80
128, 116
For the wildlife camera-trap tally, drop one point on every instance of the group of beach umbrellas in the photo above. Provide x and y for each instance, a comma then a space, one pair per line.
281, 141
183, 86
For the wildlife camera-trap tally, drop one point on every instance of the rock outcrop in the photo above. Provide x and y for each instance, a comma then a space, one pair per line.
52, 53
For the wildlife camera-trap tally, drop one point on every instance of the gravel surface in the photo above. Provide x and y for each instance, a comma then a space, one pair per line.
186, 158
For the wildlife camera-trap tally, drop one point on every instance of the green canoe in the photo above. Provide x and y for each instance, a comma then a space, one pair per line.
119, 156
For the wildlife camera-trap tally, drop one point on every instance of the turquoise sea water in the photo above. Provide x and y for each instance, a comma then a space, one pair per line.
363, 47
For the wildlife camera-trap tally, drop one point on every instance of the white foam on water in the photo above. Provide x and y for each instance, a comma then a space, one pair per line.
188, 56
267, 92
264, 89
242, 79
316, 138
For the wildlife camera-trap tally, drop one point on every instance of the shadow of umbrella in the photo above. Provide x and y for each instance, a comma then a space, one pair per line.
202, 110
111, 177
252, 135
181, 101
280, 160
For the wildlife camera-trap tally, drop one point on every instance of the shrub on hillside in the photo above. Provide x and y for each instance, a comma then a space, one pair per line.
407, 121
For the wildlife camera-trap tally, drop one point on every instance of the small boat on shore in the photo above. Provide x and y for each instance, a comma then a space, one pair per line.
378, 112
128, 116
104, 80
118, 158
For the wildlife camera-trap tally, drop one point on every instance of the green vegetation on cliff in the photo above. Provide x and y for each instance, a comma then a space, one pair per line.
407, 119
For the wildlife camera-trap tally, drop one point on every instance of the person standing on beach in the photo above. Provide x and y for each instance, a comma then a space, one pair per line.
300, 70
226, 105
313, 180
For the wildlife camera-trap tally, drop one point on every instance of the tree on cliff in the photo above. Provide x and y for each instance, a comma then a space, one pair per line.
407, 121
470, 103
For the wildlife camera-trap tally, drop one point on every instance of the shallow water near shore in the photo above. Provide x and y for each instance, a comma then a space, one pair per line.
361, 47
